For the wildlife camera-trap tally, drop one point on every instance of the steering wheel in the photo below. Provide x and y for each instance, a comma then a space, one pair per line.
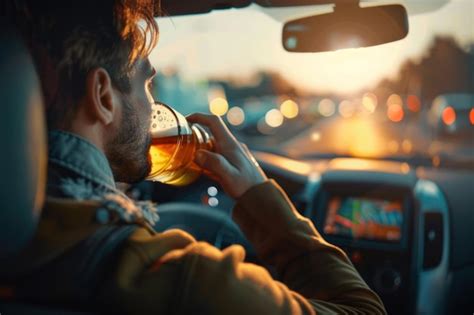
204, 223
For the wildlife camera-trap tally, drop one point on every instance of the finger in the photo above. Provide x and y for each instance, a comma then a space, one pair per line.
213, 122
234, 253
249, 154
216, 125
214, 163
246, 148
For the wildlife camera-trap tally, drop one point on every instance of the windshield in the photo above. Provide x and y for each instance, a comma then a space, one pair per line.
374, 102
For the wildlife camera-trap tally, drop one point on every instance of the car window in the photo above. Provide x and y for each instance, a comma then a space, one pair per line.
374, 102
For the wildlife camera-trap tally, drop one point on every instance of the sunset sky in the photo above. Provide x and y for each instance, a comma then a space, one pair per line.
239, 42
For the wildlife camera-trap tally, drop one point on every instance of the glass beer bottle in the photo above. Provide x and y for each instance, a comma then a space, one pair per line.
174, 145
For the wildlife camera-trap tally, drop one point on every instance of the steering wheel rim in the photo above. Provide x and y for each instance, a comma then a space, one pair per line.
207, 224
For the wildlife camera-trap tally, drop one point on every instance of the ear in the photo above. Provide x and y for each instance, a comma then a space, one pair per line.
101, 101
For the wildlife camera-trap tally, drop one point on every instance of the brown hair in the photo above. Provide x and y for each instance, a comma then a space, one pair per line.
70, 38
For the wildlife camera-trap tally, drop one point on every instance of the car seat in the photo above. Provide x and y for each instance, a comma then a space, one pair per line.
23, 159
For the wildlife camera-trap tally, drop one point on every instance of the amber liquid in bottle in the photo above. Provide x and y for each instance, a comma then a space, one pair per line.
172, 157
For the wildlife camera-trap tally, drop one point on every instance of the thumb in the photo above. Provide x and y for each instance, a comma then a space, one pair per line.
215, 163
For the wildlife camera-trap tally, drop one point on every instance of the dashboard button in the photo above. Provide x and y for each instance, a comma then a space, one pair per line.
388, 280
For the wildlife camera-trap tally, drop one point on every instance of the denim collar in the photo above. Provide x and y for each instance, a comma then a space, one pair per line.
76, 154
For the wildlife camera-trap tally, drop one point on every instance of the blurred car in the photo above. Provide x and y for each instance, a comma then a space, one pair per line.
453, 114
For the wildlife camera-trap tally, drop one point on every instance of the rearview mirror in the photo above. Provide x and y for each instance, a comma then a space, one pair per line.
349, 26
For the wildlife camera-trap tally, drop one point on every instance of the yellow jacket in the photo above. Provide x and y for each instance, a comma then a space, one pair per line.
171, 273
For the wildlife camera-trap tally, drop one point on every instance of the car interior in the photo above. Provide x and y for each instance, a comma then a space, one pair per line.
405, 222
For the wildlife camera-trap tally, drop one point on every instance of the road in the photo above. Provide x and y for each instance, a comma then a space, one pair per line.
368, 136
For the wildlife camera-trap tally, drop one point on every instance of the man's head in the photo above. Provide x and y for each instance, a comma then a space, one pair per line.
92, 58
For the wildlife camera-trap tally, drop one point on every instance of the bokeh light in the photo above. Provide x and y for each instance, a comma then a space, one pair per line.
413, 103
212, 191
315, 136
405, 168
449, 116
219, 106
370, 102
394, 99
346, 109
289, 109
471, 116
213, 202
395, 112
327, 107
236, 116
274, 118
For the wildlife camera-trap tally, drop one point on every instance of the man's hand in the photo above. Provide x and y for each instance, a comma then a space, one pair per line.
231, 163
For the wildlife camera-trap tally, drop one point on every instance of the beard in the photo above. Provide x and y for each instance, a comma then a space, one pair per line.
128, 151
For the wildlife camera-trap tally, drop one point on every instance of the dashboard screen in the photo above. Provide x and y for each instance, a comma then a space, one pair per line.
364, 218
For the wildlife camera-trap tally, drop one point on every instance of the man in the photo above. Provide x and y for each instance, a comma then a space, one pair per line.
98, 250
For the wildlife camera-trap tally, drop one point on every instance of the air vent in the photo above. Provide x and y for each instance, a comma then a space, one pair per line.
433, 239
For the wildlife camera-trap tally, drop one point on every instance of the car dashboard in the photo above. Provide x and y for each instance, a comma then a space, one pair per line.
393, 226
